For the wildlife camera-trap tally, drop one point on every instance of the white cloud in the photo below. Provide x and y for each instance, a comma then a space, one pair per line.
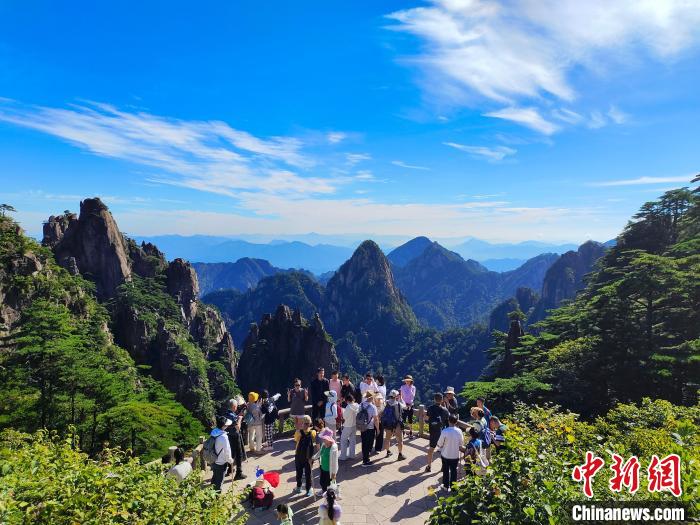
528, 117
597, 120
335, 137
364, 175
617, 116
512, 51
354, 158
493, 154
204, 155
568, 116
644, 180
402, 164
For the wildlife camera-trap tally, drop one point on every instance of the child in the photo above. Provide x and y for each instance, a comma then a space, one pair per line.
260, 495
328, 455
284, 514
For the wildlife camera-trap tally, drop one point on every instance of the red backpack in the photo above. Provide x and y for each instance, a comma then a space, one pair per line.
339, 417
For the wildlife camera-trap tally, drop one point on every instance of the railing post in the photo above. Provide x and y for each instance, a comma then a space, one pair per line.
200, 457
421, 421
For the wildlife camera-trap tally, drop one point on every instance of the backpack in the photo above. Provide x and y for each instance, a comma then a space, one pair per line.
389, 418
305, 447
209, 453
339, 417
270, 411
329, 410
362, 420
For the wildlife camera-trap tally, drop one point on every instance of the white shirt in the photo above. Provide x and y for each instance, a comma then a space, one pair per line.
382, 390
223, 449
451, 438
180, 471
364, 387
350, 414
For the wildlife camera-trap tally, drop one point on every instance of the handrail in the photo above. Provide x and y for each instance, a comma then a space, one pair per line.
421, 422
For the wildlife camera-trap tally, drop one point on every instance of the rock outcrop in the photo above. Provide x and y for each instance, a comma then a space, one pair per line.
525, 300
566, 277
241, 275
92, 244
282, 347
184, 342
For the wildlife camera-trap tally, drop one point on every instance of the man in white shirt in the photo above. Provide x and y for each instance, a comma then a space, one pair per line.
368, 385
182, 467
349, 432
222, 448
451, 443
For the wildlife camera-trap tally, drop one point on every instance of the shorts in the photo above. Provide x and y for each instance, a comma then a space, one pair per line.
435, 432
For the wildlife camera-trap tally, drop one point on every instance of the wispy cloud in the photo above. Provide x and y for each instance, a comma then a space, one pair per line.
644, 180
203, 155
529, 117
354, 158
522, 52
335, 137
493, 154
402, 164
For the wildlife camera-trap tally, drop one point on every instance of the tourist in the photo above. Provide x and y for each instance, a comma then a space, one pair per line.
379, 437
346, 389
235, 438
499, 431
260, 495
254, 418
328, 460
318, 387
297, 398
335, 384
269, 409
349, 432
329, 511
391, 422
451, 403
486, 411
367, 422
475, 452
407, 394
284, 514
182, 467
478, 418
381, 387
451, 443
241, 413
368, 385
303, 454
436, 416
222, 449
331, 410
319, 426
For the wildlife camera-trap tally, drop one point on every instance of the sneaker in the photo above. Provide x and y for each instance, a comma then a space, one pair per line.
310, 493
388, 453
297, 490
400, 457
443, 487
367, 464
427, 469
239, 475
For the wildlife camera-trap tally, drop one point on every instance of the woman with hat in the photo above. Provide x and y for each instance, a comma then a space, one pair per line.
407, 395
328, 459
451, 403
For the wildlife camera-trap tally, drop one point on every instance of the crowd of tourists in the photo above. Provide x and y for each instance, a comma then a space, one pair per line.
340, 411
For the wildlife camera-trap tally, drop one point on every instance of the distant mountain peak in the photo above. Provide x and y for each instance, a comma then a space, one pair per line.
408, 251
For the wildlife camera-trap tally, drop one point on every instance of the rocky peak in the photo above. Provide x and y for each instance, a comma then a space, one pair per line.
362, 291
279, 349
90, 244
146, 260
408, 251
182, 284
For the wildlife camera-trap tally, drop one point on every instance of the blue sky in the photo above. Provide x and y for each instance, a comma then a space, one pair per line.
548, 120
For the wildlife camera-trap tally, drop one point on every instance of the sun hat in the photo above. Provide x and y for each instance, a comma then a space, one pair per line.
408, 377
253, 397
450, 390
393, 394
369, 395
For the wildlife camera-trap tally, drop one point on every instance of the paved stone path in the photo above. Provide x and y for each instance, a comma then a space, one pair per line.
388, 492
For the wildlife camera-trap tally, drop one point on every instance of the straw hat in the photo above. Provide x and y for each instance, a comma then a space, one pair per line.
369, 395
408, 377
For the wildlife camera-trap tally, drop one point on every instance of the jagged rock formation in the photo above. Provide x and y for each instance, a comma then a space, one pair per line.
362, 296
241, 275
92, 244
282, 347
566, 277
156, 317
525, 300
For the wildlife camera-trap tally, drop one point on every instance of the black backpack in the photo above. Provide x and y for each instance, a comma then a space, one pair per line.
270, 412
305, 447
